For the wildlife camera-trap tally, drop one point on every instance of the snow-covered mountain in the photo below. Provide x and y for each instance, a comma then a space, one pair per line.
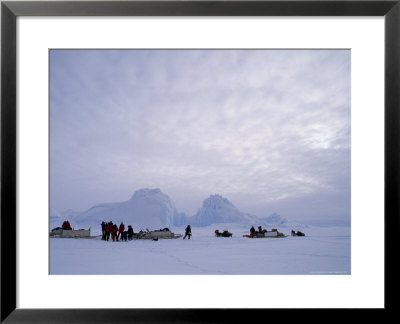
147, 208
152, 209
217, 209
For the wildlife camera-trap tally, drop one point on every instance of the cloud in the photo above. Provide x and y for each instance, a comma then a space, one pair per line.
263, 126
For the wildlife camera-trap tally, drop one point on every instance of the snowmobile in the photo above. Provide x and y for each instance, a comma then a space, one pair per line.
157, 234
298, 233
225, 233
265, 234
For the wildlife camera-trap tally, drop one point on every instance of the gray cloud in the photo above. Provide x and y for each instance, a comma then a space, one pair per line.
263, 128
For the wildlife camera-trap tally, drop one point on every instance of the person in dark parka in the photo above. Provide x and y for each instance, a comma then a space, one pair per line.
188, 232
130, 232
124, 236
103, 230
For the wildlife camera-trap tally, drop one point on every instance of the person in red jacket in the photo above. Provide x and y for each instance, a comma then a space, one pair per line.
108, 230
66, 225
121, 229
114, 233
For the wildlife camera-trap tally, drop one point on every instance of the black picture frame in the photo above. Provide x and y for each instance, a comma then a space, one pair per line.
10, 10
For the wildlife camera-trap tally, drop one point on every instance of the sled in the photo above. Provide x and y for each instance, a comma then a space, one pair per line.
150, 235
62, 233
272, 234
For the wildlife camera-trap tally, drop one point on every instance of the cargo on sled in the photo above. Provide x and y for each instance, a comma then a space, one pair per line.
157, 234
70, 233
264, 233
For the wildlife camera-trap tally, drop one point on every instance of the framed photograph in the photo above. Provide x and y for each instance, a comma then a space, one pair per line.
184, 161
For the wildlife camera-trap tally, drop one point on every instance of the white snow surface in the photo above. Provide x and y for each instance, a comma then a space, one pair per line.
324, 250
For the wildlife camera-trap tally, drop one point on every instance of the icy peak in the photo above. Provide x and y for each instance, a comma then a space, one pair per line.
146, 192
217, 209
149, 208
217, 201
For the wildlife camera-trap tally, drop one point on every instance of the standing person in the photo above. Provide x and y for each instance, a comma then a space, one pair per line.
124, 236
108, 230
114, 233
252, 230
121, 229
259, 229
188, 232
103, 230
130, 232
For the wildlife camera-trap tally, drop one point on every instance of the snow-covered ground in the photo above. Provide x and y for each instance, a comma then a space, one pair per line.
324, 250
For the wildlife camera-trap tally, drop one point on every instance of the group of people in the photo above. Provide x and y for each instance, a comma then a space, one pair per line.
111, 229
260, 230
119, 233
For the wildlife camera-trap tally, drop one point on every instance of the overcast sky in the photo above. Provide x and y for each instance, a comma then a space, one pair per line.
267, 129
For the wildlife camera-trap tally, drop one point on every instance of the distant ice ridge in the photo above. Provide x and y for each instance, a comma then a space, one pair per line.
217, 209
275, 219
159, 205
147, 208
152, 209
